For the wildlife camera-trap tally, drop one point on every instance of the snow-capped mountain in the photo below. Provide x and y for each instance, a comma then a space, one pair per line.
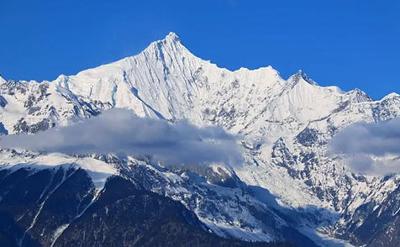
288, 189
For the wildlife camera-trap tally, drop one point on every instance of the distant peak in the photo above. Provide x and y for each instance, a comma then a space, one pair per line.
301, 75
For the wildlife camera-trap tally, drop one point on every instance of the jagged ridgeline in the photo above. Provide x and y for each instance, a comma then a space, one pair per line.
288, 189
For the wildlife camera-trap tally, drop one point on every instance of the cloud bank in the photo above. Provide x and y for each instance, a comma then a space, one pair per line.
121, 132
371, 149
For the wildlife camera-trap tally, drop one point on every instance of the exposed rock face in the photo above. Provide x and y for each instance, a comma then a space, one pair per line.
61, 207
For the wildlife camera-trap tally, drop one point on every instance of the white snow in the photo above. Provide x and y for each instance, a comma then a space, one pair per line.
98, 170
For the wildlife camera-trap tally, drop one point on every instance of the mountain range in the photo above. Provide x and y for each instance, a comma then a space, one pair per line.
289, 190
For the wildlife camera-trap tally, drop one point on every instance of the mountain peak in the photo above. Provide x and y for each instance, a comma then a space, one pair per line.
172, 37
357, 95
301, 75
170, 41
390, 96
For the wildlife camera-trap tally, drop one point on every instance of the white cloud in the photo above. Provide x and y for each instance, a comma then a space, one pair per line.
119, 131
372, 149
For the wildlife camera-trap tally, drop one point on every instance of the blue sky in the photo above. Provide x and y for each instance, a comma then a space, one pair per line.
347, 43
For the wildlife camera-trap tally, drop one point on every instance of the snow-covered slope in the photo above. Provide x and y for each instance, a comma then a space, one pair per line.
285, 124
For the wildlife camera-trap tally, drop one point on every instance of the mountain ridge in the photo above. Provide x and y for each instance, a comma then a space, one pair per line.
172, 39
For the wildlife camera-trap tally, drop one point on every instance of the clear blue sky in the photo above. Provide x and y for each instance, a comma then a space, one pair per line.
347, 43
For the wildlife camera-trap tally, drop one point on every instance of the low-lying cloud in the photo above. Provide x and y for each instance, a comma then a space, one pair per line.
119, 131
371, 149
